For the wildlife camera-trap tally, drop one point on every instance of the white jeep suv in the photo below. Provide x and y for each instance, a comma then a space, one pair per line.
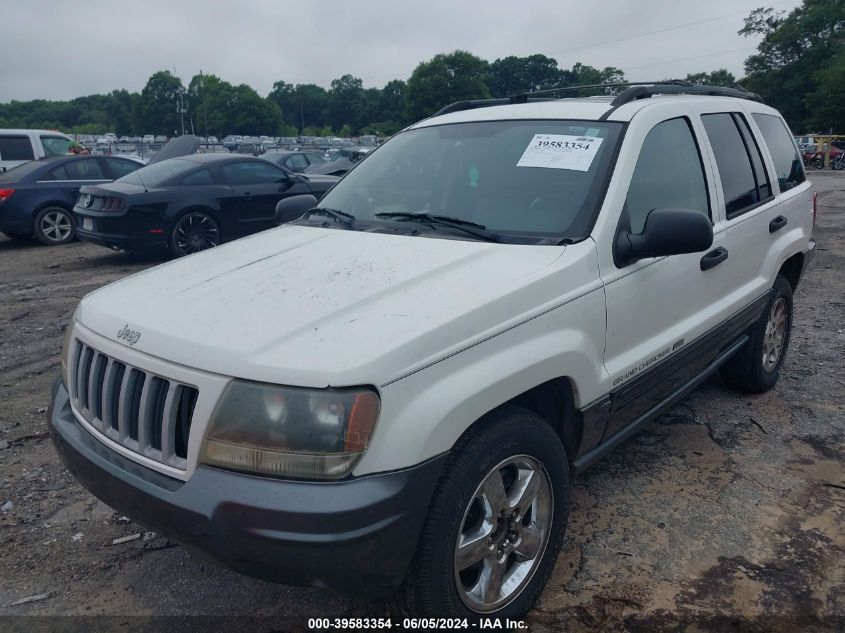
394, 391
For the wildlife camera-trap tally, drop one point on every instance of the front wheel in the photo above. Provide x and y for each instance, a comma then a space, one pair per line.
756, 367
839, 163
495, 524
54, 226
194, 232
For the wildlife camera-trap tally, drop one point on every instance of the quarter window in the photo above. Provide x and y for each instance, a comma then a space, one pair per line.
252, 173
668, 174
741, 185
16, 148
789, 168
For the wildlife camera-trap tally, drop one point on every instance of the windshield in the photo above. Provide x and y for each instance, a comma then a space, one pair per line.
531, 178
158, 174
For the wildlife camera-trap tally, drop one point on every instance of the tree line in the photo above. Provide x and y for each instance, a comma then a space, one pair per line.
799, 68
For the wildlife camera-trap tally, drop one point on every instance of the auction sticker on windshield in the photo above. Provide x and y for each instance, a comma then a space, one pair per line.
560, 151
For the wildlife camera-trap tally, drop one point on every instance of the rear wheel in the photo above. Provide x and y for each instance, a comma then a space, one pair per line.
194, 232
756, 367
495, 524
54, 226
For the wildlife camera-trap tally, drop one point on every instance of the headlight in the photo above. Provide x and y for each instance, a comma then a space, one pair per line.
65, 360
290, 431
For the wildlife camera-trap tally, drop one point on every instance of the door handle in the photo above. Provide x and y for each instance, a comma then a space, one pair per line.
247, 195
714, 258
777, 224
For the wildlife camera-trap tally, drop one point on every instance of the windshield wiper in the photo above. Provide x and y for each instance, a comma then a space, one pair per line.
347, 219
471, 228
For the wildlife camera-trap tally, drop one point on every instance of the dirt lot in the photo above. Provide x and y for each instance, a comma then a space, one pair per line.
728, 511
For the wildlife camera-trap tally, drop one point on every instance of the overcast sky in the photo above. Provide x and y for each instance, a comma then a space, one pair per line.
55, 49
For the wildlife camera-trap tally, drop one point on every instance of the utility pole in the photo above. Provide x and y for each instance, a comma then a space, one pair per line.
204, 115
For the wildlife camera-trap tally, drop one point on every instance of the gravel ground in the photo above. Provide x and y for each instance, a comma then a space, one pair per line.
727, 511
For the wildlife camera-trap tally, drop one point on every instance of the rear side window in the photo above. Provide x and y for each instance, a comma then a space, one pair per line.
201, 177
743, 187
668, 174
788, 166
84, 169
16, 148
59, 173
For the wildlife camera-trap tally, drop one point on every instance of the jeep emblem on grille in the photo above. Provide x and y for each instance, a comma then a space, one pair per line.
130, 336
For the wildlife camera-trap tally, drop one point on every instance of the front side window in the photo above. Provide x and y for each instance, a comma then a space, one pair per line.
16, 148
527, 180
789, 167
122, 167
55, 145
252, 173
736, 171
200, 177
84, 169
668, 175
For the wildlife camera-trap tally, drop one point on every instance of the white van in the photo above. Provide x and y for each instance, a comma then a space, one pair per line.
19, 146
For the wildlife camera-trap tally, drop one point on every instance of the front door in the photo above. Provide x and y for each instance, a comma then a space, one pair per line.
660, 309
256, 188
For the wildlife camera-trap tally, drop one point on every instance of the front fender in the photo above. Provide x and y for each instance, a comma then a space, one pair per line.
425, 413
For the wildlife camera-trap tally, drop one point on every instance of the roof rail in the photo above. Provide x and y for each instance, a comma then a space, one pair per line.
471, 104
643, 91
633, 90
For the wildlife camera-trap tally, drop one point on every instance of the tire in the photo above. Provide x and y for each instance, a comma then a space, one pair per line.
54, 226
818, 162
839, 164
439, 582
756, 367
193, 232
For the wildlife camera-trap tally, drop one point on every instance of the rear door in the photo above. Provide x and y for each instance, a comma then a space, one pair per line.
65, 180
758, 222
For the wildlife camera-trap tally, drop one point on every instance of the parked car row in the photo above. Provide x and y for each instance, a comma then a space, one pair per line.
37, 197
177, 205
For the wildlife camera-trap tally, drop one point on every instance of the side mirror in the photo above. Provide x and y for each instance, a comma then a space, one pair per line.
293, 207
666, 232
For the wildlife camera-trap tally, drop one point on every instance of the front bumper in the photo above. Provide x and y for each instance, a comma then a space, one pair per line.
357, 536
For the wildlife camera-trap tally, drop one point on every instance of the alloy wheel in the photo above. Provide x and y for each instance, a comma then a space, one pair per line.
56, 226
775, 335
195, 232
503, 534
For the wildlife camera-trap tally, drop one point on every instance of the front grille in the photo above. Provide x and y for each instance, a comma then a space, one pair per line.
146, 413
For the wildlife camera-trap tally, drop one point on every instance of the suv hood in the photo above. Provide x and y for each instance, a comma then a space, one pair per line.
316, 307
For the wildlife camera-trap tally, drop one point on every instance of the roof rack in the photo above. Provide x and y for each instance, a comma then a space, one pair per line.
633, 91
